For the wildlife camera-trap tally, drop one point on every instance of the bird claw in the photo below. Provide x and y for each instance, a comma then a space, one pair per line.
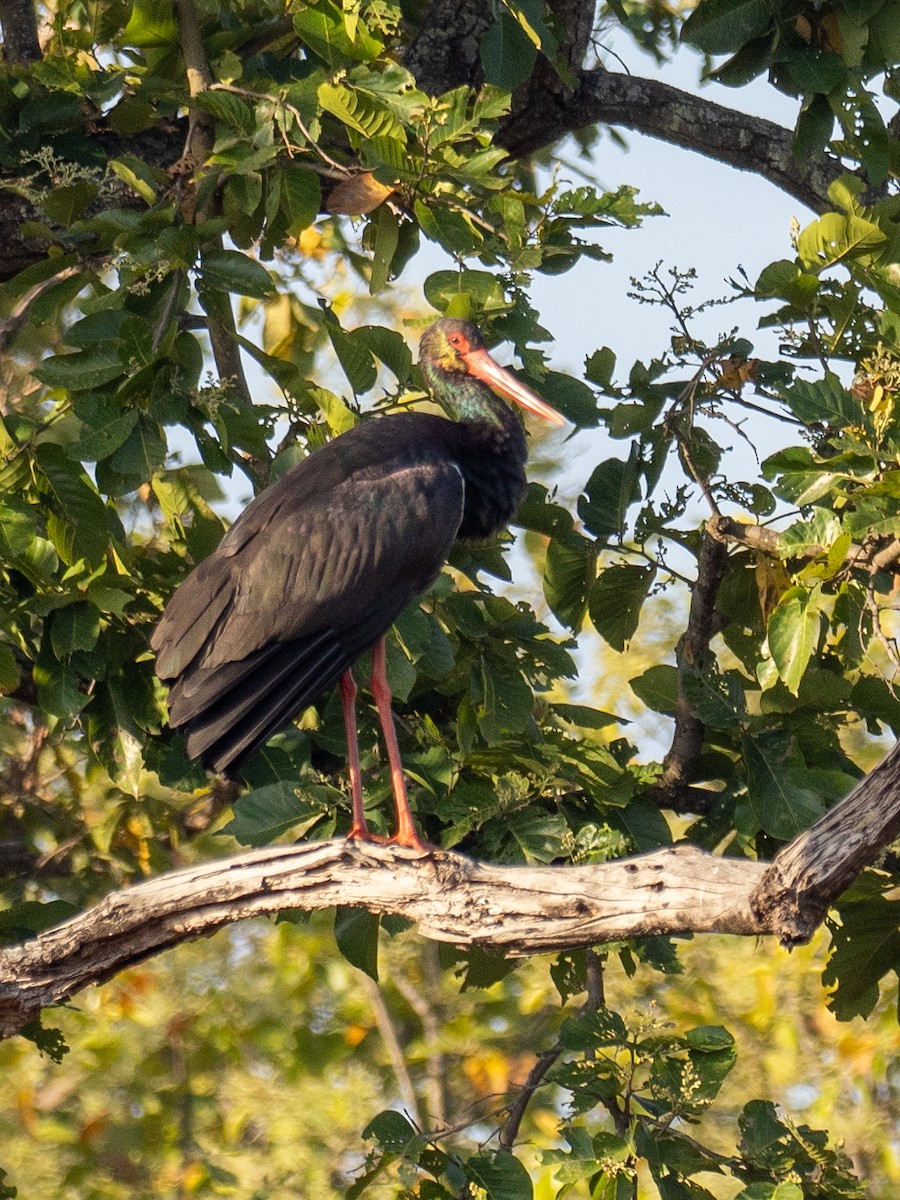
408, 842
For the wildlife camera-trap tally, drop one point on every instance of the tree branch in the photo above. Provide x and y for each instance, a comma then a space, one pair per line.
810, 873
680, 763
691, 122
18, 19
521, 910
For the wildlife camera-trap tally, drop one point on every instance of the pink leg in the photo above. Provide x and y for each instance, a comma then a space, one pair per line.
359, 828
406, 834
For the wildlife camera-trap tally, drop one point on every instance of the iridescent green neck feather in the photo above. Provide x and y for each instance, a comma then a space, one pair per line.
464, 397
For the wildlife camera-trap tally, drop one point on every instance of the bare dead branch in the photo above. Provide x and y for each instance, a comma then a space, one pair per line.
516, 1112
808, 875
522, 910
757, 537
873, 555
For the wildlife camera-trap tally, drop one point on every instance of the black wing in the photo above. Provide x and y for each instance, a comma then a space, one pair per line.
310, 576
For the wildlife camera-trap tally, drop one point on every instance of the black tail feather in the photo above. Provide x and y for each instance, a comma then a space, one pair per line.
233, 719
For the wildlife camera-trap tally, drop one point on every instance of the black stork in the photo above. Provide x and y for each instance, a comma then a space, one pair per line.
318, 567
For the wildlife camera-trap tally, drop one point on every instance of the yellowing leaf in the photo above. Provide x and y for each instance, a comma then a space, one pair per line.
737, 371
835, 236
772, 581
357, 195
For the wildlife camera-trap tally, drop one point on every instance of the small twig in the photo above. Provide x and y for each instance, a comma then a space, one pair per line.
435, 1066
817, 344
392, 1044
510, 1130
699, 478
545, 1060
10, 325
724, 1159
767, 412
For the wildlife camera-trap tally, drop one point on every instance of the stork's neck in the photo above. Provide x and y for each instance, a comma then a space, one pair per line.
468, 399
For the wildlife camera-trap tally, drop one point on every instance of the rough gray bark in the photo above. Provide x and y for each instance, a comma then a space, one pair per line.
692, 122
793, 896
18, 20
518, 910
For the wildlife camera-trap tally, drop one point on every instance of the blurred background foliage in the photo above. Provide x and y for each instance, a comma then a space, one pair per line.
214, 211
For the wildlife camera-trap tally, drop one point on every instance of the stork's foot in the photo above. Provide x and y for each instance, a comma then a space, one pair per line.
362, 833
410, 840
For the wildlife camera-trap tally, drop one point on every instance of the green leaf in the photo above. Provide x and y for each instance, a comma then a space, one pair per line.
611, 489
586, 717
360, 111
750, 61
391, 1130
724, 26
814, 70
269, 812
501, 1175
136, 174
507, 53
78, 526
540, 836
865, 947
569, 571
58, 685
67, 203
82, 371
231, 271
593, 1029
825, 401
658, 689
326, 31
778, 786
793, 634
18, 529
75, 627
301, 197
709, 1038
506, 705
390, 347
354, 356
227, 108
786, 280
573, 398
385, 242
600, 367
141, 454
815, 536
616, 601
151, 23
356, 934
465, 293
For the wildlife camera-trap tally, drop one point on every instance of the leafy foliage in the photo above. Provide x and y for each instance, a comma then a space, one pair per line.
126, 406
